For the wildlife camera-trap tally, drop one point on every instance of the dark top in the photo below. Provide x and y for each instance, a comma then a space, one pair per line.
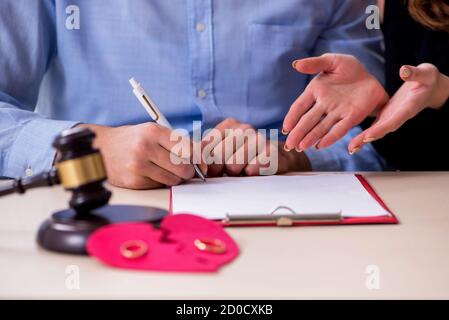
421, 143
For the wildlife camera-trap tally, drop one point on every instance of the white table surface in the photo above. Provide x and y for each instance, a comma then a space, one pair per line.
303, 262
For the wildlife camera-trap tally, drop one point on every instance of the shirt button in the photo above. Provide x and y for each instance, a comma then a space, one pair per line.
200, 27
28, 172
202, 93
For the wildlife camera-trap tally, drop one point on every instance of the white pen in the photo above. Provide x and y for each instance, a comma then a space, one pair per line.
155, 113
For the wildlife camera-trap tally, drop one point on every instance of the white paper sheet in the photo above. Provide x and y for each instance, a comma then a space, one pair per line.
307, 194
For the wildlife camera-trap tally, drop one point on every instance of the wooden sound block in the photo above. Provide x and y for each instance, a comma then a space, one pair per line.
67, 231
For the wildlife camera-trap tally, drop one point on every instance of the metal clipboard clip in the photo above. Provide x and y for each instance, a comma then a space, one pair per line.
280, 218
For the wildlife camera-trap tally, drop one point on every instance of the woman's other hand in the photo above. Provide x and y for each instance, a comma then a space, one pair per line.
424, 87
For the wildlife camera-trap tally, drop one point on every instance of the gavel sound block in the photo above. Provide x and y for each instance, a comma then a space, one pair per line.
81, 171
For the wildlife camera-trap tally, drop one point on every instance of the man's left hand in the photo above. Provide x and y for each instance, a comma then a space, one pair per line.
238, 149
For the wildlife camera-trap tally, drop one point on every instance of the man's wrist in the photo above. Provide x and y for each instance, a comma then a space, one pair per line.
98, 130
298, 161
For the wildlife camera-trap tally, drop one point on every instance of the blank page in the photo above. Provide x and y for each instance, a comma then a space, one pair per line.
306, 194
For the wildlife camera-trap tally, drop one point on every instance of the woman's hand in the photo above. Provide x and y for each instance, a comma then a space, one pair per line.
424, 87
338, 98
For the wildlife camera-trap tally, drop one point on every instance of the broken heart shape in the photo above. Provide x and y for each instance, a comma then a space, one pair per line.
171, 247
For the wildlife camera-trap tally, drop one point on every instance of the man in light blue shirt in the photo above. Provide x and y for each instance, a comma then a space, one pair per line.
66, 62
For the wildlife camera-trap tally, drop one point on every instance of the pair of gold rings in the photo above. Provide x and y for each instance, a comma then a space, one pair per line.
135, 249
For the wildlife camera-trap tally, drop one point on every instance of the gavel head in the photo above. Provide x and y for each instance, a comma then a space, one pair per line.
81, 169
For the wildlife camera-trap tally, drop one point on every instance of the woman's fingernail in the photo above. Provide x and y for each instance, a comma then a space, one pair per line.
294, 64
406, 72
369, 140
298, 149
284, 132
355, 150
286, 148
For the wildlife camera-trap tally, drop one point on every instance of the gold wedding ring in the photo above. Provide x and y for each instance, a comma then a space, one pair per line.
210, 245
133, 249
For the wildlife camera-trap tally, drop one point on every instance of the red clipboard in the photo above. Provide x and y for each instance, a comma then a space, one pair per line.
392, 219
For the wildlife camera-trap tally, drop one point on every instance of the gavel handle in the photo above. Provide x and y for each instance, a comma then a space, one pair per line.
21, 185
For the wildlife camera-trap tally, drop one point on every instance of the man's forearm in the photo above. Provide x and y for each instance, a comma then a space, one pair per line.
26, 141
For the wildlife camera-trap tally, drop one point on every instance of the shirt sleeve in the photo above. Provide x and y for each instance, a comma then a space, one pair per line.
347, 33
337, 157
27, 45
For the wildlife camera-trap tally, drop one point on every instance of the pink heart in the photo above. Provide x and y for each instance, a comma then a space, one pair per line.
170, 247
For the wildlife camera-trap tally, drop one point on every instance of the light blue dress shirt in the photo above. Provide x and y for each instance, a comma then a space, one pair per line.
63, 62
